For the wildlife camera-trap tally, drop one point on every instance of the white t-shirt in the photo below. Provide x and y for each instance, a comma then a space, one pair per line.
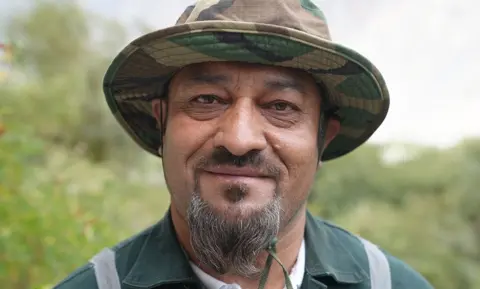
296, 276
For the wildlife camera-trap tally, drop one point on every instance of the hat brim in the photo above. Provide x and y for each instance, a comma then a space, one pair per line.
141, 71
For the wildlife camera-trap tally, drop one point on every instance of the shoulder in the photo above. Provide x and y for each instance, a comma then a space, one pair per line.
83, 277
125, 252
403, 276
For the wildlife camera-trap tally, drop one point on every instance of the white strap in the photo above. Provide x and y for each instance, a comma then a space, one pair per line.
106, 270
380, 277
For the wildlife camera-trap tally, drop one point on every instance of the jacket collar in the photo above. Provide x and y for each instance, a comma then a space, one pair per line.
328, 255
162, 260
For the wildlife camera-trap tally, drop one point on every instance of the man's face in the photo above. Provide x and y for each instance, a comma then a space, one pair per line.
240, 155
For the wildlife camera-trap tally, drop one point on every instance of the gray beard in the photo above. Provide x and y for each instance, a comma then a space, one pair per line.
230, 242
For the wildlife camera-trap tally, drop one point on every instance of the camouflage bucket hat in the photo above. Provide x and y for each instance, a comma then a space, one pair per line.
288, 33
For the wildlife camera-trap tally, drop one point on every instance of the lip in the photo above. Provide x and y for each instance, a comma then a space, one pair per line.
236, 171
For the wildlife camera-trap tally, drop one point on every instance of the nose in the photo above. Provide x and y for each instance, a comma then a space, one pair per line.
241, 129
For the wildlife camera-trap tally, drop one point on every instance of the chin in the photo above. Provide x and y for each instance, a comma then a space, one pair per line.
240, 211
237, 203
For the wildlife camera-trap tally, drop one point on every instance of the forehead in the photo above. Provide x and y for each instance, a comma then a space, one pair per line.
229, 71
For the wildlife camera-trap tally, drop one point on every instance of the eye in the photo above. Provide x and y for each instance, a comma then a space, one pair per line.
282, 106
205, 99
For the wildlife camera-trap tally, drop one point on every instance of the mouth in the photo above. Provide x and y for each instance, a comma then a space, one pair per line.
229, 185
230, 171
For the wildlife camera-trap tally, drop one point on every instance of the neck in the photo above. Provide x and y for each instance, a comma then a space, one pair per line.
289, 242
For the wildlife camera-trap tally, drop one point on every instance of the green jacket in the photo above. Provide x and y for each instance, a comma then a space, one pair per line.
335, 259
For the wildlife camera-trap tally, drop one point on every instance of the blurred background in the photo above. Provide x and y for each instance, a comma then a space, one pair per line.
72, 182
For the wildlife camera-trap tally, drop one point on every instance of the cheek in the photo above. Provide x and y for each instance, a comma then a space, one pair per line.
302, 171
183, 142
183, 138
299, 154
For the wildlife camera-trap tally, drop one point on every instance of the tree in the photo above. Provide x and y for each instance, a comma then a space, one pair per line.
424, 210
67, 185
64, 52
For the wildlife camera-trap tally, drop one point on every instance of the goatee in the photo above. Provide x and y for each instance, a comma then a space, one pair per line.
230, 241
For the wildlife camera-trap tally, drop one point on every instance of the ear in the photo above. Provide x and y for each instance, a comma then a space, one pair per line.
159, 111
332, 130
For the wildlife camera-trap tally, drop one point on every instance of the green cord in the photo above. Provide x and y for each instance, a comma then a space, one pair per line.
272, 254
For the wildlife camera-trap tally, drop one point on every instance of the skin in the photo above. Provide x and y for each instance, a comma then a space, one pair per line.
243, 108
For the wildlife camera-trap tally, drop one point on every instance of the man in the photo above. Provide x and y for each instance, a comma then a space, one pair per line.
244, 100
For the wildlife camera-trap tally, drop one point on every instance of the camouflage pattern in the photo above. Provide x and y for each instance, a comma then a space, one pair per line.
288, 33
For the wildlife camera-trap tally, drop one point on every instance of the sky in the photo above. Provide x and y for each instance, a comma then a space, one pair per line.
427, 51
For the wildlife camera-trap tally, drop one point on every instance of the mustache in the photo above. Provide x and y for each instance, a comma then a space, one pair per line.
254, 159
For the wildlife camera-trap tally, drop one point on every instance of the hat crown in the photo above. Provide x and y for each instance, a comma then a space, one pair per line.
301, 15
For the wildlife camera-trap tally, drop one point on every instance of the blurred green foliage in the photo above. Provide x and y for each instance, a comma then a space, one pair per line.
71, 182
